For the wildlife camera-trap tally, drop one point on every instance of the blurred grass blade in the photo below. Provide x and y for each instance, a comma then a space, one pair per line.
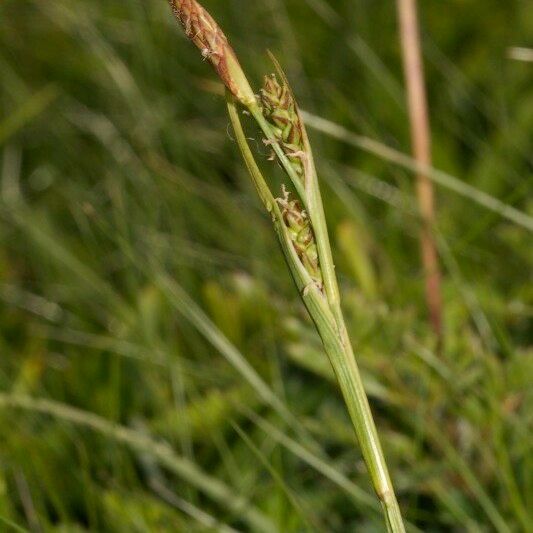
320, 465
185, 506
474, 484
11, 526
438, 176
520, 53
190, 309
140, 442
40, 232
306, 515
36, 104
353, 242
358, 495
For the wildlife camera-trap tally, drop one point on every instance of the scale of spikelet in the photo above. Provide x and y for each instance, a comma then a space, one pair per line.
301, 234
279, 108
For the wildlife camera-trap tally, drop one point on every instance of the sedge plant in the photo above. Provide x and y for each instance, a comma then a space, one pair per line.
298, 218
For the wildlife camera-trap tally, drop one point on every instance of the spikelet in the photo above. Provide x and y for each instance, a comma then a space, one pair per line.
301, 234
279, 108
205, 33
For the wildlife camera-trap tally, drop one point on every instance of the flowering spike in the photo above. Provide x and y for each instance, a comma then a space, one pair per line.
205, 33
301, 235
279, 108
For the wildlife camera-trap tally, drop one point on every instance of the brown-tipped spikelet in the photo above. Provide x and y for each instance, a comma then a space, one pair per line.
279, 108
302, 236
205, 33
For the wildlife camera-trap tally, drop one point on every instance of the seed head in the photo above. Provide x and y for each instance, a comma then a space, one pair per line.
279, 108
301, 234
205, 33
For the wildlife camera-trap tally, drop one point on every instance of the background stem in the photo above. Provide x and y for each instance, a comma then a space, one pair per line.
421, 146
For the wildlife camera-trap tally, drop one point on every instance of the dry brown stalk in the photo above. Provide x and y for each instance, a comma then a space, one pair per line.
421, 144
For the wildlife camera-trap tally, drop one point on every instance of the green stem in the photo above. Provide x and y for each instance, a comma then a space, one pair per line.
318, 221
345, 366
329, 321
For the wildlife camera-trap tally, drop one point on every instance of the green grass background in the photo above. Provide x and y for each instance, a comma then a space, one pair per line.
157, 371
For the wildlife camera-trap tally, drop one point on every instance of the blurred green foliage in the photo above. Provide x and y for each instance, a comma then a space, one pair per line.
142, 293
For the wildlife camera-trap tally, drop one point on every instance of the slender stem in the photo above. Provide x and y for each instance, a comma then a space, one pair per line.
345, 366
421, 142
341, 356
331, 327
318, 219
